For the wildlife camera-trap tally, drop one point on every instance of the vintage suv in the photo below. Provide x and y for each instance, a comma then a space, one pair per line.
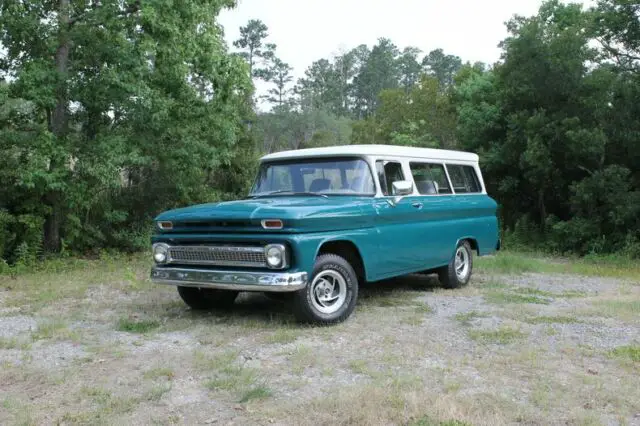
320, 222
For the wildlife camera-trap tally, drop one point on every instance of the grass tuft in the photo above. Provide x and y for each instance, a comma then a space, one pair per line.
282, 336
465, 318
507, 297
256, 393
501, 336
428, 421
510, 263
156, 373
137, 326
13, 343
552, 320
627, 353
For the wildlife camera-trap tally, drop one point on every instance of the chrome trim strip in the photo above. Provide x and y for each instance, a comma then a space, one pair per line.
230, 280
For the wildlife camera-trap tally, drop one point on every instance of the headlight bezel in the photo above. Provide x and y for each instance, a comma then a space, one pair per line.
164, 225
161, 248
284, 255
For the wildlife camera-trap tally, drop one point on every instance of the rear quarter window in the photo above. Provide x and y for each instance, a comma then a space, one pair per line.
464, 179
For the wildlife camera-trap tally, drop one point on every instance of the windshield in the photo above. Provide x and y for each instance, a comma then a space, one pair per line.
322, 176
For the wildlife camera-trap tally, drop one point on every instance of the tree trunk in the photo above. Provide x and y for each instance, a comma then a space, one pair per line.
542, 208
53, 222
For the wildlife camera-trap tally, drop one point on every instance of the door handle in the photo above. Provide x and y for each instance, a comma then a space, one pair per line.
417, 205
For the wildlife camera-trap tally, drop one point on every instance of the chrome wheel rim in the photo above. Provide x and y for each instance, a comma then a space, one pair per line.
328, 291
461, 263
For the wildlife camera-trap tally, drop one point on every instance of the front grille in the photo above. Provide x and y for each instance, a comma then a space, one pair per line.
218, 255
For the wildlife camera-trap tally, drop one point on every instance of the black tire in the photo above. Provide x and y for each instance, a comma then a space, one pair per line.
207, 298
447, 274
305, 302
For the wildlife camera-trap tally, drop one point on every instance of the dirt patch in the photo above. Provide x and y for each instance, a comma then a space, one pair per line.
528, 348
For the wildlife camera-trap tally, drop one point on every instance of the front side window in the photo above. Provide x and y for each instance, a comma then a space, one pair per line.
388, 172
324, 176
430, 179
464, 179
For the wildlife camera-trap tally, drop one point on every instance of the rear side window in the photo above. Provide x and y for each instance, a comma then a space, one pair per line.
464, 179
388, 172
430, 178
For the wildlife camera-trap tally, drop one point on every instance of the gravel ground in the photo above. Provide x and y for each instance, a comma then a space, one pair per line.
507, 349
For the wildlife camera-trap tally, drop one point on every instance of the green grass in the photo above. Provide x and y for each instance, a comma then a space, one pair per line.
137, 326
359, 366
54, 330
232, 378
627, 353
501, 336
302, 357
506, 297
509, 262
156, 392
465, 318
423, 308
282, 336
13, 343
204, 362
428, 421
623, 309
156, 373
389, 298
552, 320
256, 393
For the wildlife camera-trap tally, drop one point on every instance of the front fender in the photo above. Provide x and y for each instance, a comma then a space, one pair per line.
307, 247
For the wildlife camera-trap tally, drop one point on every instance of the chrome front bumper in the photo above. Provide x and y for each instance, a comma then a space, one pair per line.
230, 280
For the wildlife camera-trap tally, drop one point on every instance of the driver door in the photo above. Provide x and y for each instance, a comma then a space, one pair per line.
398, 224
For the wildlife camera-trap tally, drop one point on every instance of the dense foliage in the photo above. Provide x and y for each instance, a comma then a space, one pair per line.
113, 112
118, 110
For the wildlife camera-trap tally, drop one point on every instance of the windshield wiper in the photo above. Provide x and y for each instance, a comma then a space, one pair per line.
285, 191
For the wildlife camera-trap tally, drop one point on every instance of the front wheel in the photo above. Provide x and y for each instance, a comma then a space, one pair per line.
207, 298
458, 272
330, 296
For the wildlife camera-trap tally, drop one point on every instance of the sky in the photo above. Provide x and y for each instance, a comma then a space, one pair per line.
308, 30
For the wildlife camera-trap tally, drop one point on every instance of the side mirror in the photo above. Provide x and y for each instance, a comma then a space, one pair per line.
402, 188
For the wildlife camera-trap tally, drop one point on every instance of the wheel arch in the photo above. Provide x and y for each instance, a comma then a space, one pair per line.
347, 249
473, 242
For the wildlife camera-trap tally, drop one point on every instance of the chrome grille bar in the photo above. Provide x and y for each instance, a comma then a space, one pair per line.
218, 255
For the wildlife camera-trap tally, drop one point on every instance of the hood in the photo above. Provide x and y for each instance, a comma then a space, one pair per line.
299, 213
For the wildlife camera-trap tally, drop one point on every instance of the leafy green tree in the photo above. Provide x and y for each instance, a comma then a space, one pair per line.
254, 49
378, 71
442, 67
616, 26
410, 67
280, 77
138, 110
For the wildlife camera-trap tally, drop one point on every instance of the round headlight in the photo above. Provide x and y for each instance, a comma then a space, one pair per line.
275, 256
160, 252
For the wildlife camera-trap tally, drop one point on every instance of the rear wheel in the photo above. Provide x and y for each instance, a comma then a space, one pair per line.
458, 272
330, 296
207, 298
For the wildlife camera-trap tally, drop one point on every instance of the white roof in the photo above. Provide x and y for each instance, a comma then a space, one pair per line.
375, 150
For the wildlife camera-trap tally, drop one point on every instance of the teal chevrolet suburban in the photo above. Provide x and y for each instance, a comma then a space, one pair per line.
320, 223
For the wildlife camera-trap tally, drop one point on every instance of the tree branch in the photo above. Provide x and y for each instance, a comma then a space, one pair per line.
129, 10
617, 53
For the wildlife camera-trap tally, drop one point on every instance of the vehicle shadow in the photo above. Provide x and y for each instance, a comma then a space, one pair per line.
261, 311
